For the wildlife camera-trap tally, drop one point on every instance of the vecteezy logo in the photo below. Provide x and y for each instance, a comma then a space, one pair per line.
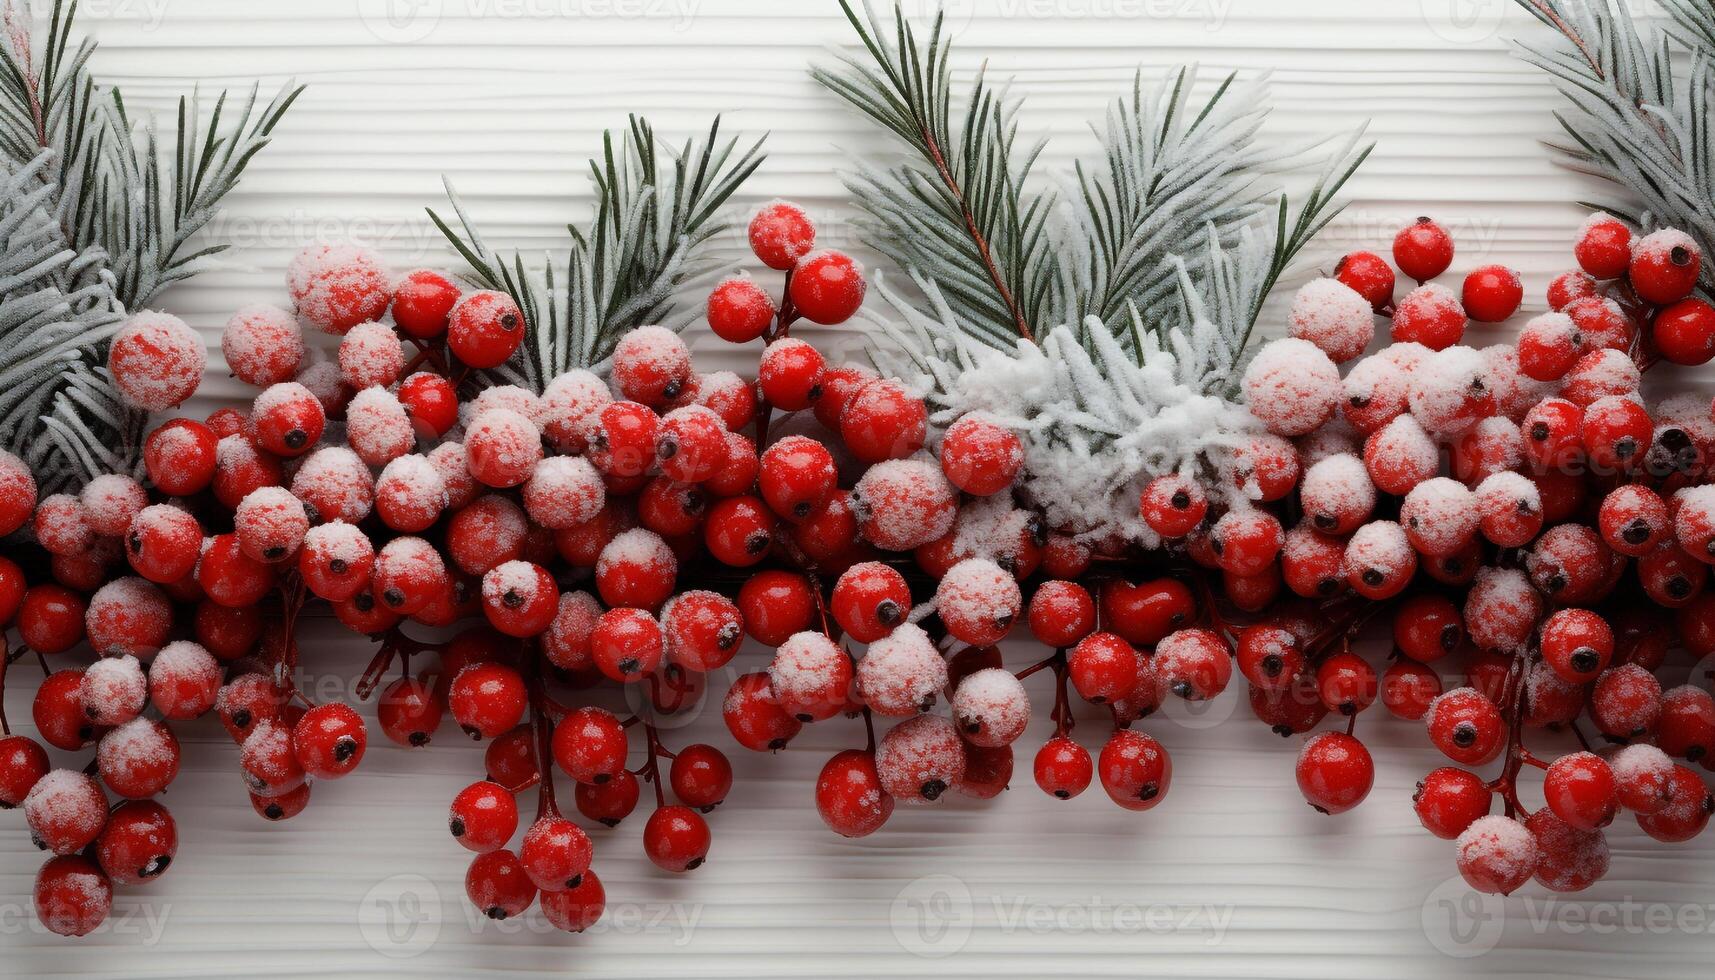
1464, 21
932, 916
401, 916
1462, 922
400, 21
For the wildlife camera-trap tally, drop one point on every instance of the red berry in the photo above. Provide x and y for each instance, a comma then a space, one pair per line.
652, 365
330, 740
1247, 541
790, 373
869, 600
1664, 266
1061, 613
497, 884
1685, 332
575, 909
739, 531
1449, 800
287, 419
408, 712
487, 699
555, 854
827, 286
1427, 627
883, 421
1568, 859
484, 328
1145, 613
781, 234
519, 598
431, 402
1633, 520
1581, 790
179, 456
610, 802
72, 896
811, 677
702, 630
775, 605
1423, 250
138, 759
1430, 315
1063, 768
849, 796
755, 717
1335, 772
23, 763
739, 310
701, 776
138, 843
1134, 769
1408, 688
590, 745
1687, 811
1492, 293
1103, 667
1604, 247
980, 457
1369, 275
1346, 683
1173, 506
1577, 644
797, 476
163, 543
282, 807
1569, 286
1616, 433
1497, 855
1466, 726
422, 302
1687, 726
269, 760
230, 577
676, 838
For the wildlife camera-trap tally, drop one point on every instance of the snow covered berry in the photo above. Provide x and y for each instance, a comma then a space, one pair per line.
337, 286
651, 366
156, 360
1292, 387
484, 328
1333, 316
827, 286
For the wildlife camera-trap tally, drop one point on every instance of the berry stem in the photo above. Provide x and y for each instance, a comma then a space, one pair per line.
5, 661
543, 729
1512, 699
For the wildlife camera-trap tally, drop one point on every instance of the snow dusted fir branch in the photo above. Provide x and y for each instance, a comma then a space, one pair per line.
97, 219
623, 270
1106, 320
1631, 120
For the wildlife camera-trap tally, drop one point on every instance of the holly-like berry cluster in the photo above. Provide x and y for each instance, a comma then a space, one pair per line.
1536, 529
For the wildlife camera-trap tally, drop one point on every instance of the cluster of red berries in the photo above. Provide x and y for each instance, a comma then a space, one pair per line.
1537, 531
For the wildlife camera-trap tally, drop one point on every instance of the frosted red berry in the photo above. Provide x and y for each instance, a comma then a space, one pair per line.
1423, 250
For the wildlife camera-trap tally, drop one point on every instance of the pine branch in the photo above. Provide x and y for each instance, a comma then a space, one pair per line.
94, 226
959, 208
624, 269
1631, 120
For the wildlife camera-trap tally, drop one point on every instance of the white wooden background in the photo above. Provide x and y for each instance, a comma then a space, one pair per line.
1233, 876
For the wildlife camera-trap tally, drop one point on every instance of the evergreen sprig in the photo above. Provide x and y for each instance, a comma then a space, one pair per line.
1168, 232
1633, 120
99, 217
624, 269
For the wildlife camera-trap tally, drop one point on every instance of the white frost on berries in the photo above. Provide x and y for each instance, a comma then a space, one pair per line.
1334, 439
905, 503
901, 673
563, 492
1407, 355
411, 485
270, 518
377, 427
262, 345
646, 357
111, 501
156, 361
1599, 374
803, 668
1515, 391
1098, 422
336, 482
321, 379
337, 286
1450, 390
640, 549
140, 742
977, 598
1379, 545
453, 463
339, 541
181, 668
919, 759
991, 707
1338, 485
521, 400
1334, 317
514, 577
570, 403
1499, 603
128, 615
1641, 765
113, 690
1500, 848
1291, 386
1658, 246
1440, 516
370, 354
719, 387
65, 802
1505, 493
1374, 392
